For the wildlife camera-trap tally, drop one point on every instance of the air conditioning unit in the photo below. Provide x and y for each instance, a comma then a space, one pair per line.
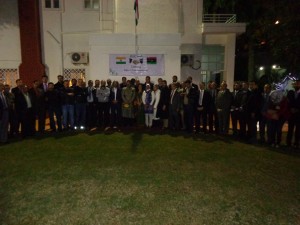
80, 57
187, 60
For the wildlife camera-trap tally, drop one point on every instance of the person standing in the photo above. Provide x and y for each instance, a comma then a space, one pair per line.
203, 102
10, 97
91, 111
148, 100
128, 96
115, 105
294, 120
264, 109
254, 106
103, 94
17, 118
80, 105
189, 104
164, 102
24, 108
41, 104
213, 122
4, 116
174, 107
52, 98
67, 101
223, 104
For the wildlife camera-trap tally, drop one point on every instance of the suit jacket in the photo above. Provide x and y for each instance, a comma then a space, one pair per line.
176, 101
118, 97
2, 107
192, 96
205, 101
224, 100
21, 104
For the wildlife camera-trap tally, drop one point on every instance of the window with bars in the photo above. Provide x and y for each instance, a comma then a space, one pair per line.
70, 74
52, 4
212, 57
91, 4
8, 76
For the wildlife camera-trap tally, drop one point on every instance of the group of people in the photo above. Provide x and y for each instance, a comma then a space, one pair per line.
203, 108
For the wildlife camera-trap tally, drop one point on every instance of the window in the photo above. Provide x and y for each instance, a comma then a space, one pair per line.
91, 4
52, 4
212, 58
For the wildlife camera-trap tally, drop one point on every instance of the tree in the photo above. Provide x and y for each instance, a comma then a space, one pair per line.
277, 42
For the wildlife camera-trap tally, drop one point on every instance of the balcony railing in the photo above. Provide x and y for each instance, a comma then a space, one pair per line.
219, 18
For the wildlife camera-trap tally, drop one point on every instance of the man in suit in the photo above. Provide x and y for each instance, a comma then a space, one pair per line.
103, 94
24, 108
91, 111
203, 102
235, 107
17, 118
189, 105
193, 84
223, 104
213, 122
254, 106
174, 107
53, 101
294, 120
115, 105
37, 92
4, 116
80, 105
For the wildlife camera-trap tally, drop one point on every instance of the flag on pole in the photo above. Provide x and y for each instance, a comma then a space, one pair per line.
136, 9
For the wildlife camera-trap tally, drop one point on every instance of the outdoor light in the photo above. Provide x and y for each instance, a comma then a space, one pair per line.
274, 67
277, 22
261, 68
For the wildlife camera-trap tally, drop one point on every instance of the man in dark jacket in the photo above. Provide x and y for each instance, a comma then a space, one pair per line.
52, 98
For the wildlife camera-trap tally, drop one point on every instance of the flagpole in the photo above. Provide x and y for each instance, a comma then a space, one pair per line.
136, 10
136, 40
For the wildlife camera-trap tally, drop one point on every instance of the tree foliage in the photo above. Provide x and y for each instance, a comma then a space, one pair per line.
280, 42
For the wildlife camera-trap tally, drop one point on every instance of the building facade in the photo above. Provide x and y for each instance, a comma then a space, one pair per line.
80, 38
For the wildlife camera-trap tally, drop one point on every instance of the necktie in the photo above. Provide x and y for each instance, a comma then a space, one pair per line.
201, 97
172, 95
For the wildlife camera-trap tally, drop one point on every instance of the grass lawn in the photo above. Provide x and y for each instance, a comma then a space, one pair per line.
146, 178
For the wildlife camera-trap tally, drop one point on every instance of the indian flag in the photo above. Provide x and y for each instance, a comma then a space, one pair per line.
136, 9
120, 60
151, 60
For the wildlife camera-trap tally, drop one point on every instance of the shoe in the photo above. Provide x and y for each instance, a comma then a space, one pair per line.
115, 127
106, 128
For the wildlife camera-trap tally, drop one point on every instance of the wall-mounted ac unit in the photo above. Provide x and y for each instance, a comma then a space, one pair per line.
187, 60
80, 57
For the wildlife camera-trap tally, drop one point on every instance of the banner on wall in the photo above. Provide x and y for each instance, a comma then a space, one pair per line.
136, 65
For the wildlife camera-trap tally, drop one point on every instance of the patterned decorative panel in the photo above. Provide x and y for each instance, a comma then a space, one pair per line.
74, 73
9, 76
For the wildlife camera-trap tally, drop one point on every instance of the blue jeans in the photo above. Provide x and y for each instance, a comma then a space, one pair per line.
80, 109
68, 116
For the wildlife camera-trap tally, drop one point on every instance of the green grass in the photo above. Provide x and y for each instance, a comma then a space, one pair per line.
146, 178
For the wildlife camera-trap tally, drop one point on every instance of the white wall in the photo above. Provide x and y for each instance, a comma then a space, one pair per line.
76, 30
10, 48
101, 45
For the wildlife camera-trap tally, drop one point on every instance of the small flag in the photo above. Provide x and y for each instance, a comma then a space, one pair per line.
151, 60
136, 9
120, 60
